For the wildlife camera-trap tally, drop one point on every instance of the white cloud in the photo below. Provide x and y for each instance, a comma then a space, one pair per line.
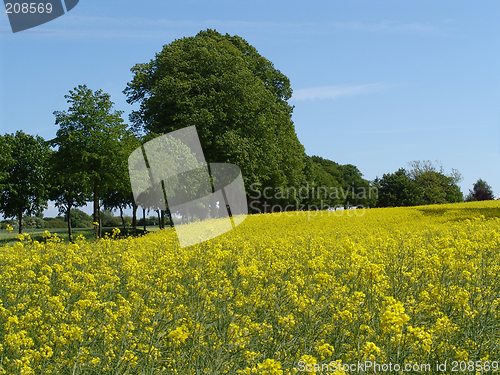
334, 92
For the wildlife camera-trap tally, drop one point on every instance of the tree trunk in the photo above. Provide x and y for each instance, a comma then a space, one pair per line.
144, 218
159, 219
99, 213
123, 220
96, 212
162, 219
134, 217
170, 217
20, 216
68, 214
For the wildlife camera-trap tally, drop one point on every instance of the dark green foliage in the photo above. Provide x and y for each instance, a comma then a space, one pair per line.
6, 162
438, 188
25, 184
89, 141
79, 219
319, 182
236, 99
34, 222
109, 220
119, 193
423, 184
348, 182
54, 222
481, 192
13, 223
398, 189
150, 221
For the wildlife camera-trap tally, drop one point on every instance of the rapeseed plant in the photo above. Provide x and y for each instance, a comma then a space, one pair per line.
400, 285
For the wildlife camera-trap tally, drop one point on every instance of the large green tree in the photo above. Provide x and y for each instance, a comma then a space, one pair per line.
235, 97
89, 139
68, 185
25, 186
119, 194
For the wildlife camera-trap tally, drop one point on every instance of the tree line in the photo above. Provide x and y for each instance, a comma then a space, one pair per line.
238, 102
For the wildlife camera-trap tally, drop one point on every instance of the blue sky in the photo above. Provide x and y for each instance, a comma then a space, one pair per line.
376, 84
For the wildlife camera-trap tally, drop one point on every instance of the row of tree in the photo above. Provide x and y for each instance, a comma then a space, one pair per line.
79, 219
238, 102
91, 164
426, 183
86, 161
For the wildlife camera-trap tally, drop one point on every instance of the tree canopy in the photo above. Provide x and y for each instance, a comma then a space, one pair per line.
25, 186
481, 191
398, 189
424, 183
89, 141
235, 97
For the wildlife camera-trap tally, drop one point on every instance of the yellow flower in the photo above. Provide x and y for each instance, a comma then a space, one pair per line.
179, 335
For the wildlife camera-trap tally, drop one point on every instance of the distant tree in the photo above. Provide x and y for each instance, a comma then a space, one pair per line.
353, 189
25, 186
13, 223
330, 167
437, 187
320, 184
90, 134
481, 192
108, 219
79, 219
34, 222
54, 222
398, 189
356, 190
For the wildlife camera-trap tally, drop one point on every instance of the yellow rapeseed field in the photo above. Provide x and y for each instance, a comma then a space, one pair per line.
280, 294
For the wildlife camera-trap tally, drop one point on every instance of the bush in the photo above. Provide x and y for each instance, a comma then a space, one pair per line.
109, 220
12, 223
79, 219
55, 222
150, 221
34, 222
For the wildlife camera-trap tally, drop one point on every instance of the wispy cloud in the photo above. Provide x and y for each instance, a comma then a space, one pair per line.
388, 26
110, 26
334, 92
430, 130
